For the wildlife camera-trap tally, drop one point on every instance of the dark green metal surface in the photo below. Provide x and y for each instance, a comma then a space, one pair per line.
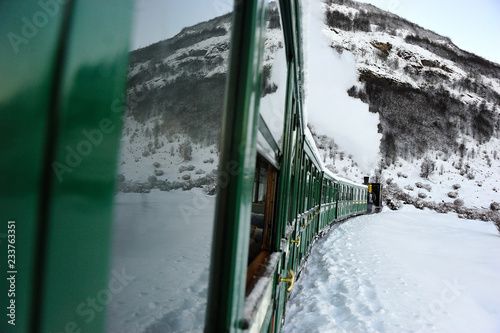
28, 67
91, 91
236, 170
60, 87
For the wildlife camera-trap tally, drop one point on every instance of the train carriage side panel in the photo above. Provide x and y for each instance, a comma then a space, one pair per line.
29, 70
57, 87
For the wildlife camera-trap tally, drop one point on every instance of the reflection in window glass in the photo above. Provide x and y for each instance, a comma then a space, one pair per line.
165, 198
272, 103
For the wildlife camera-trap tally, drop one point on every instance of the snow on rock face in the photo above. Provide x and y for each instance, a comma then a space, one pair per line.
400, 272
428, 93
429, 99
330, 110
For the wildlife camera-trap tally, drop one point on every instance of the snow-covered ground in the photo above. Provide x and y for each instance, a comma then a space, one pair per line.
404, 271
409, 270
477, 180
163, 240
474, 178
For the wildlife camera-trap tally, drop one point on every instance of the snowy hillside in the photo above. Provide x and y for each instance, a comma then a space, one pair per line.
429, 94
437, 106
471, 181
175, 96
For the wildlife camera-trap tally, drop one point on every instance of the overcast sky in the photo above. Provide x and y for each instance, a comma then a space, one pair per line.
160, 19
473, 25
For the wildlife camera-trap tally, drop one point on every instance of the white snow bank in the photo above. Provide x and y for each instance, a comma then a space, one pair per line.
402, 271
163, 240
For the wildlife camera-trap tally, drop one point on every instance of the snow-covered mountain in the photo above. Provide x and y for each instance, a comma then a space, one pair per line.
438, 106
435, 102
173, 116
175, 97
428, 93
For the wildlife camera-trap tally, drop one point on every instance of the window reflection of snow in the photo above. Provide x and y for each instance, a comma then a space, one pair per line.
272, 104
163, 229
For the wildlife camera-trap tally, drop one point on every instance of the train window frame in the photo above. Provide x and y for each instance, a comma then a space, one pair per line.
257, 264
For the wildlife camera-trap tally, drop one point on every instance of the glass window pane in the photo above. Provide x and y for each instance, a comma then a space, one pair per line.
272, 103
165, 200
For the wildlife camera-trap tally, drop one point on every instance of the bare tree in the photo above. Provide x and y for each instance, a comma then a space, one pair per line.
427, 167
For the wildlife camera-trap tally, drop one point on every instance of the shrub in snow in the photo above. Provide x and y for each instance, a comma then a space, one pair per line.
199, 172
393, 204
210, 189
129, 187
419, 204
168, 186
187, 186
152, 180
424, 186
470, 175
456, 186
408, 187
402, 175
422, 195
453, 195
156, 164
458, 202
159, 172
389, 181
495, 206
210, 160
443, 207
186, 168
186, 177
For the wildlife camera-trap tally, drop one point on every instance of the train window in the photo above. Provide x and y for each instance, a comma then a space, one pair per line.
165, 200
274, 77
261, 222
260, 183
324, 192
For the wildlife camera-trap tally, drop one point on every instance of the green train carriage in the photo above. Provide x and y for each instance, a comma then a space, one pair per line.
64, 73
